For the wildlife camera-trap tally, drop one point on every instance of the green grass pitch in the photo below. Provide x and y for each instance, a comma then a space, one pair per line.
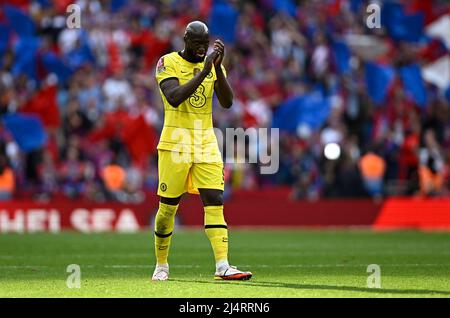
294, 263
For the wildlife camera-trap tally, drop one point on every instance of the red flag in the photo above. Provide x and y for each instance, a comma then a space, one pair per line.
333, 8
140, 139
138, 136
114, 124
44, 104
154, 48
60, 6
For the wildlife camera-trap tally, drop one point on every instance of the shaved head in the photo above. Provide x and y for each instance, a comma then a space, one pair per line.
196, 28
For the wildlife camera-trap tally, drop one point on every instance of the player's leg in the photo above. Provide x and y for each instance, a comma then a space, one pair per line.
215, 226
171, 187
164, 224
208, 179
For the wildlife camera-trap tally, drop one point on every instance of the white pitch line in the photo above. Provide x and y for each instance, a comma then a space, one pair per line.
148, 255
76, 255
341, 265
23, 266
149, 266
252, 266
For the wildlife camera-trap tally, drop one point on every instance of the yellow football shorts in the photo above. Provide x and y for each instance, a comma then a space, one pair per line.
179, 173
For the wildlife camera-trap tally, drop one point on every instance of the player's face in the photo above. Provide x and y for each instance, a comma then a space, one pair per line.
197, 46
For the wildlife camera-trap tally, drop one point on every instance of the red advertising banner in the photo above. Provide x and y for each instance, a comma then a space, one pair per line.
422, 214
265, 208
28, 217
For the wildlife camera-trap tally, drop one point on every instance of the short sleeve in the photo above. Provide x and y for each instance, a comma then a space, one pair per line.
165, 69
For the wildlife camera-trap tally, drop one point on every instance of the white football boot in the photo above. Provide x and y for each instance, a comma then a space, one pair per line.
232, 273
161, 273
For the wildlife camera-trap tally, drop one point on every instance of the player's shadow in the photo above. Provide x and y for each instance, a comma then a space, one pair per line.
324, 287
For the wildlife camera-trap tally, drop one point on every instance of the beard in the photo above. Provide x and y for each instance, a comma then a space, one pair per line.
193, 57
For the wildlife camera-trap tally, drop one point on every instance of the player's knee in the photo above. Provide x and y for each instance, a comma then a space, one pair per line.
212, 197
161, 227
170, 201
168, 208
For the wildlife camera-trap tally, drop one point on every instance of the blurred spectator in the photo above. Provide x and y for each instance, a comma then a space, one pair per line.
118, 92
372, 168
306, 173
7, 182
75, 173
431, 168
48, 174
113, 175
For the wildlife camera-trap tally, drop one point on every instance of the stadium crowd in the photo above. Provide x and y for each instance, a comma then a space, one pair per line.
94, 91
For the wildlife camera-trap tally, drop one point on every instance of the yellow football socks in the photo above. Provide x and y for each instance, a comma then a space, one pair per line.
164, 223
217, 232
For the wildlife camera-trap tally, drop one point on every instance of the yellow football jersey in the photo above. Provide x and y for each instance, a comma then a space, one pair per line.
188, 126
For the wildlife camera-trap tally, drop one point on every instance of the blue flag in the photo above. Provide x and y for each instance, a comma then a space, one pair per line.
223, 21
19, 21
378, 79
311, 109
355, 5
342, 56
287, 113
55, 65
27, 131
413, 83
81, 55
401, 26
116, 5
286, 6
25, 62
315, 110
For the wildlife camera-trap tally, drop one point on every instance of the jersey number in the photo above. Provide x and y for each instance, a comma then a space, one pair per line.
198, 99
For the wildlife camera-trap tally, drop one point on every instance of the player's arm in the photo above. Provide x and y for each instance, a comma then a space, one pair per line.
221, 86
176, 93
